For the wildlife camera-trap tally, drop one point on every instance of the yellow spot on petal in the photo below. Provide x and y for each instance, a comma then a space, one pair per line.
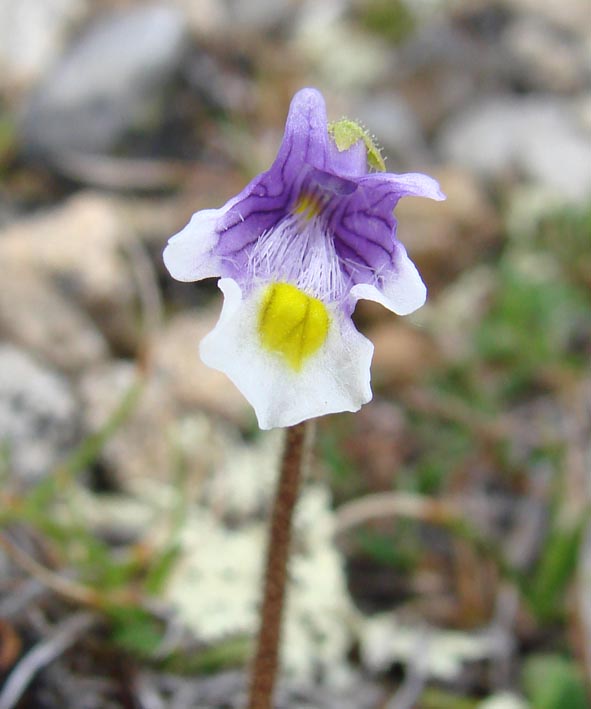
292, 323
307, 206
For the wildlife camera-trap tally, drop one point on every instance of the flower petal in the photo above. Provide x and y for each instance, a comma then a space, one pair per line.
401, 290
267, 199
190, 254
410, 184
335, 378
348, 163
364, 225
306, 131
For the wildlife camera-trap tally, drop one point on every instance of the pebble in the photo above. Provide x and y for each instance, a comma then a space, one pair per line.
445, 238
567, 15
390, 118
78, 247
440, 68
402, 354
35, 315
538, 138
38, 415
32, 35
178, 392
543, 58
109, 81
140, 448
176, 361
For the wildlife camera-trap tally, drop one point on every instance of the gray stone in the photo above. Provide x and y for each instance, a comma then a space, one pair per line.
538, 138
34, 315
446, 238
193, 385
205, 18
139, 448
32, 34
180, 395
544, 58
110, 81
441, 67
570, 15
148, 444
396, 128
79, 247
260, 16
38, 415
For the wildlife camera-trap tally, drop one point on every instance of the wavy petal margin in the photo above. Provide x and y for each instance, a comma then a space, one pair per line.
336, 378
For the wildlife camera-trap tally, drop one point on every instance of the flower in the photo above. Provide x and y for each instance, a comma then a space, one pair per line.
294, 251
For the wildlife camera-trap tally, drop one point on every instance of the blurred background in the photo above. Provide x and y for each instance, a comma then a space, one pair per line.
443, 541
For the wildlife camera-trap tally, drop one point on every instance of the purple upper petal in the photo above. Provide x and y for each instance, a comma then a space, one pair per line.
410, 184
307, 162
364, 226
348, 163
306, 137
312, 186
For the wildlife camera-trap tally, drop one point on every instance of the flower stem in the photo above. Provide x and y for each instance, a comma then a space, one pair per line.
266, 661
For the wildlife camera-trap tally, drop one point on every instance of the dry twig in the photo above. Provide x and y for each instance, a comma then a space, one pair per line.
64, 636
117, 173
64, 587
16, 601
391, 504
146, 283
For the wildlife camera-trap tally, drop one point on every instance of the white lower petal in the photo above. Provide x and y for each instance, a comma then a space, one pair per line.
335, 378
401, 291
189, 254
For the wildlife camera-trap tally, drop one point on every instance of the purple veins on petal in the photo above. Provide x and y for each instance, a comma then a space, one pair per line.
306, 134
320, 227
411, 184
315, 218
330, 183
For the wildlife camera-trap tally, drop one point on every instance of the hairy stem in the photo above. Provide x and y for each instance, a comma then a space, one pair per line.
266, 661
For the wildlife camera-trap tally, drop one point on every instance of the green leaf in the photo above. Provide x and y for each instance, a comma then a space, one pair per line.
136, 631
554, 571
433, 698
554, 682
161, 568
231, 652
392, 20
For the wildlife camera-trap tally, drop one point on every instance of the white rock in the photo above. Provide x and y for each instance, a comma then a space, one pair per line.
570, 15
193, 385
107, 82
32, 34
543, 57
141, 447
78, 245
390, 118
34, 315
344, 57
539, 138
38, 415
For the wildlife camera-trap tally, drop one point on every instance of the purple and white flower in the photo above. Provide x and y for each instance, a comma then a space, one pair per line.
294, 251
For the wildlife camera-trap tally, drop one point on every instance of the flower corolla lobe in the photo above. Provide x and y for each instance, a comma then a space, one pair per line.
295, 250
